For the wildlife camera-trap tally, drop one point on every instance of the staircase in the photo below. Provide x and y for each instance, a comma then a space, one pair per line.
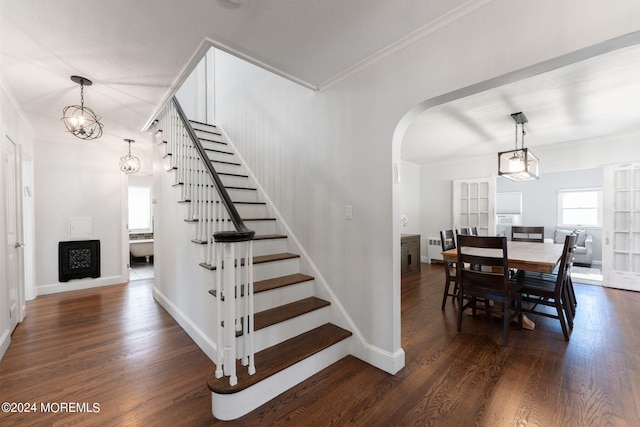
292, 336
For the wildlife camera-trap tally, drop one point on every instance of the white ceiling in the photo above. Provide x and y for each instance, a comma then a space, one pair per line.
136, 51
591, 98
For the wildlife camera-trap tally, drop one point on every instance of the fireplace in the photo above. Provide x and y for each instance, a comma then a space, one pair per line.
78, 259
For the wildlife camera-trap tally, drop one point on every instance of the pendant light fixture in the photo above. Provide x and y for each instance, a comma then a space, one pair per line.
519, 164
129, 164
81, 121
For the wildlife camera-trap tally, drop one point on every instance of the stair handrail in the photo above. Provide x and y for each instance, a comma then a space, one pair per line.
242, 232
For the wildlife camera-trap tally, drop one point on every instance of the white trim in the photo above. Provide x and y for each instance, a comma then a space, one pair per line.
17, 107
196, 334
5, 340
76, 285
430, 28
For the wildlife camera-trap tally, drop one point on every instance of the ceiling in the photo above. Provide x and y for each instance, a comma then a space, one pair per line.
136, 52
590, 98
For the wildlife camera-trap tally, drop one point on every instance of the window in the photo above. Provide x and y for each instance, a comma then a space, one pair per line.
140, 218
580, 208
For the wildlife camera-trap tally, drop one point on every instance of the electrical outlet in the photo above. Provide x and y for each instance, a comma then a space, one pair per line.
348, 212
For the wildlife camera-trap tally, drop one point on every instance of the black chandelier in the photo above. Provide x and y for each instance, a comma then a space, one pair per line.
519, 164
81, 121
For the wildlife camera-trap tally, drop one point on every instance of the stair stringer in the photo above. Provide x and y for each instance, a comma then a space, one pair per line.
359, 347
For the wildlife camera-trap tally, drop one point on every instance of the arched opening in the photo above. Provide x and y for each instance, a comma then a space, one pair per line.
614, 47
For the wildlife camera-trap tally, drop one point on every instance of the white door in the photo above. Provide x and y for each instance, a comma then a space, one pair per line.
621, 251
474, 204
14, 234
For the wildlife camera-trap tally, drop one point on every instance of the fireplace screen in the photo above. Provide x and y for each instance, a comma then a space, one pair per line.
78, 259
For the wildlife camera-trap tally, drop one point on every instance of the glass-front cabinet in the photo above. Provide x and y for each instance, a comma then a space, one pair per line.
473, 204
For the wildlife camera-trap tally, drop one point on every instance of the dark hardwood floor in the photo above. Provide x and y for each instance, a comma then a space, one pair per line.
116, 347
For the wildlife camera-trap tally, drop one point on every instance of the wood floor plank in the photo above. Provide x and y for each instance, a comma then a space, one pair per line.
116, 346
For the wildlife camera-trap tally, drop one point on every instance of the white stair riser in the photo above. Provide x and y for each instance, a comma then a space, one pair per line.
235, 181
269, 246
223, 157
208, 135
212, 145
251, 211
243, 195
205, 126
269, 270
232, 406
280, 296
282, 331
225, 168
262, 227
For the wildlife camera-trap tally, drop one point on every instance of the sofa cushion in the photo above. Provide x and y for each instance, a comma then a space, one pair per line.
562, 234
582, 237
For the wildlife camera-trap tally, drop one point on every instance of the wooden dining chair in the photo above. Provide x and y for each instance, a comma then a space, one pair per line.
465, 231
490, 282
473, 231
447, 239
527, 234
537, 290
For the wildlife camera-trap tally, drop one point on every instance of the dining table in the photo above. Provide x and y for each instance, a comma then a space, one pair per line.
529, 256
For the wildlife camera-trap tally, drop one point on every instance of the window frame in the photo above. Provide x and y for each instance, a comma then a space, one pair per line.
140, 230
600, 207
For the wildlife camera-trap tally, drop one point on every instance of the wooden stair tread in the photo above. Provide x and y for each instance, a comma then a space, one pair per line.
259, 259
269, 236
280, 282
274, 359
279, 314
274, 257
256, 237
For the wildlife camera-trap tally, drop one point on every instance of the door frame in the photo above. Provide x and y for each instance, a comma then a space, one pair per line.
20, 309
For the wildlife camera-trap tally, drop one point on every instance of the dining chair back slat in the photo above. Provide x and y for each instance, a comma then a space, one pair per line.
483, 273
527, 234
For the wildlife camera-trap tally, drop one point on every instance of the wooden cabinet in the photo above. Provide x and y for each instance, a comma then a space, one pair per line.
410, 253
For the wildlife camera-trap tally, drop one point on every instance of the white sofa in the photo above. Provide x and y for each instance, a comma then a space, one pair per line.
584, 245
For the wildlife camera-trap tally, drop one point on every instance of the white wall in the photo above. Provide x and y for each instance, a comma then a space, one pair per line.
410, 189
192, 95
76, 178
315, 152
180, 284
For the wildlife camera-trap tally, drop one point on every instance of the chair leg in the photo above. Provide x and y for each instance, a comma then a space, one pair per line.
446, 294
567, 306
561, 318
460, 308
572, 295
505, 322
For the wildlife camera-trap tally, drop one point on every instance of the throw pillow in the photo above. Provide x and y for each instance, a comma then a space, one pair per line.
561, 235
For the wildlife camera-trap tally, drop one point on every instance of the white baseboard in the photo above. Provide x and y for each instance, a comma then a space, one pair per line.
5, 340
76, 285
196, 334
382, 359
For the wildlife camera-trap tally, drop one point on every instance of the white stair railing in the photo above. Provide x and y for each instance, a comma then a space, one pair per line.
229, 243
